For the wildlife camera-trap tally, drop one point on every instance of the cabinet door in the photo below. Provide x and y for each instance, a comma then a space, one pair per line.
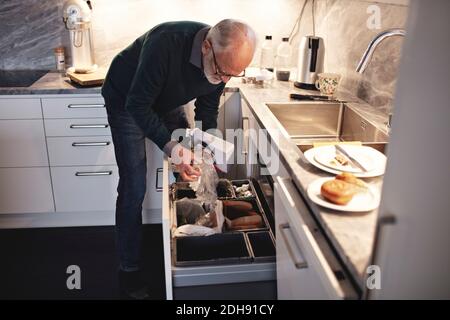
20, 108
81, 151
74, 107
25, 190
22, 143
77, 127
86, 188
221, 115
153, 196
302, 271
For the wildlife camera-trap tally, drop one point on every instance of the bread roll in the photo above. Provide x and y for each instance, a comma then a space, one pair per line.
233, 209
246, 222
350, 178
338, 191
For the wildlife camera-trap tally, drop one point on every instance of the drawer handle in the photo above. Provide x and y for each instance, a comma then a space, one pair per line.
244, 150
300, 262
89, 126
75, 106
93, 173
90, 144
157, 187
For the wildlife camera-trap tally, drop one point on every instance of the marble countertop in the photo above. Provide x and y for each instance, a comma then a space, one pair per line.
51, 83
352, 234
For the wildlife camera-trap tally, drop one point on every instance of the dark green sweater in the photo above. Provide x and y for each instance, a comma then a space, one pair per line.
159, 72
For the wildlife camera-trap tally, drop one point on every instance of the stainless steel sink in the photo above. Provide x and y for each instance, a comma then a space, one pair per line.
311, 122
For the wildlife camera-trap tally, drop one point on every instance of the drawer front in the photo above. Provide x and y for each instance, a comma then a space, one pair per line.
88, 188
25, 190
74, 151
302, 270
77, 127
22, 143
74, 107
20, 109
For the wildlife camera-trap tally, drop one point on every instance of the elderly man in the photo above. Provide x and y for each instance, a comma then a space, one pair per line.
170, 65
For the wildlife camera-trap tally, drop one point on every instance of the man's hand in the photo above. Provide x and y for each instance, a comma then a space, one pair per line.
183, 159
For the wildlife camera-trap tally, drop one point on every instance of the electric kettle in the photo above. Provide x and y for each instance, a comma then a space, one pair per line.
310, 62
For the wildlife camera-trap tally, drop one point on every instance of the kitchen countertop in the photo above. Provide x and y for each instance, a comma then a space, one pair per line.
51, 83
352, 234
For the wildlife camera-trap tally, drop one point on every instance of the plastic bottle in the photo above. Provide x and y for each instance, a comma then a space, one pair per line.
283, 60
267, 54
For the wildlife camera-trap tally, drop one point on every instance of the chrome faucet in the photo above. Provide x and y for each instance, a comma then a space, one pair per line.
362, 65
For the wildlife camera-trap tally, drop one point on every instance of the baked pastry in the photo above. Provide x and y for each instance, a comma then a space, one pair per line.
338, 191
248, 222
233, 209
350, 178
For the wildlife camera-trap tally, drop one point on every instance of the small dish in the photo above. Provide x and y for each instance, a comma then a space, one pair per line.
379, 161
361, 202
326, 156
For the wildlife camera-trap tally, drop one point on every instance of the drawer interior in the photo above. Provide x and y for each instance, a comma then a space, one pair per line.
234, 245
226, 189
214, 249
262, 244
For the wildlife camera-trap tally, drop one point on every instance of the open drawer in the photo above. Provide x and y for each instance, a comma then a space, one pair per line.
227, 263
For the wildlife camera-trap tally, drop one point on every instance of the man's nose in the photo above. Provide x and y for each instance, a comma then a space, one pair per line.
225, 79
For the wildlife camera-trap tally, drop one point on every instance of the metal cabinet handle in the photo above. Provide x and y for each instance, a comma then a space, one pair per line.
244, 147
260, 163
91, 144
93, 173
157, 187
290, 243
74, 106
89, 126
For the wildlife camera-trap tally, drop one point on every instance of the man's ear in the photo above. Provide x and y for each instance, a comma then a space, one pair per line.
206, 46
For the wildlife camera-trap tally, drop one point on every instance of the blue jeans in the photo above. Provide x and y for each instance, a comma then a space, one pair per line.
129, 147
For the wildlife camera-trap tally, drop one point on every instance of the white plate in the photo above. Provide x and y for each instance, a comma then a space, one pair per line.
379, 161
326, 156
361, 202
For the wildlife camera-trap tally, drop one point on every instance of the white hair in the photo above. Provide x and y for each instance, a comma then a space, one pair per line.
229, 34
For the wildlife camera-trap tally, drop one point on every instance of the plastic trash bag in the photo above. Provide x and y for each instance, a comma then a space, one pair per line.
206, 186
190, 230
202, 223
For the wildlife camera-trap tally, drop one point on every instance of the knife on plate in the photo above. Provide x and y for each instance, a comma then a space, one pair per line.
351, 159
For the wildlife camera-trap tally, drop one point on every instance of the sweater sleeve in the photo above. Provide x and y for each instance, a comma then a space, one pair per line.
207, 108
147, 84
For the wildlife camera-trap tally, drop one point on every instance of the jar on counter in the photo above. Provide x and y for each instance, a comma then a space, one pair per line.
60, 59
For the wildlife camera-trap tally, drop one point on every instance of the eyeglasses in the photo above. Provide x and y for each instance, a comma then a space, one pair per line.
220, 73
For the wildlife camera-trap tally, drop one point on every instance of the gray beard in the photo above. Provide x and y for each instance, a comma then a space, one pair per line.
212, 79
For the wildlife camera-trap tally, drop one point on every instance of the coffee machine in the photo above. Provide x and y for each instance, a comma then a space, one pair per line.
77, 19
310, 62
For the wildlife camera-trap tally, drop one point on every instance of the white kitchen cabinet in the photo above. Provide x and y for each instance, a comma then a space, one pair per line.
303, 272
79, 151
25, 190
22, 143
20, 108
77, 127
74, 107
221, 115
153, 196
85, 188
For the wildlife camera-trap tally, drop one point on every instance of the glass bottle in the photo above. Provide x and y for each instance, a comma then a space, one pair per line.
267, 54
283, 60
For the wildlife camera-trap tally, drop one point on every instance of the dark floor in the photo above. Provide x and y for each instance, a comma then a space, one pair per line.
33, 262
